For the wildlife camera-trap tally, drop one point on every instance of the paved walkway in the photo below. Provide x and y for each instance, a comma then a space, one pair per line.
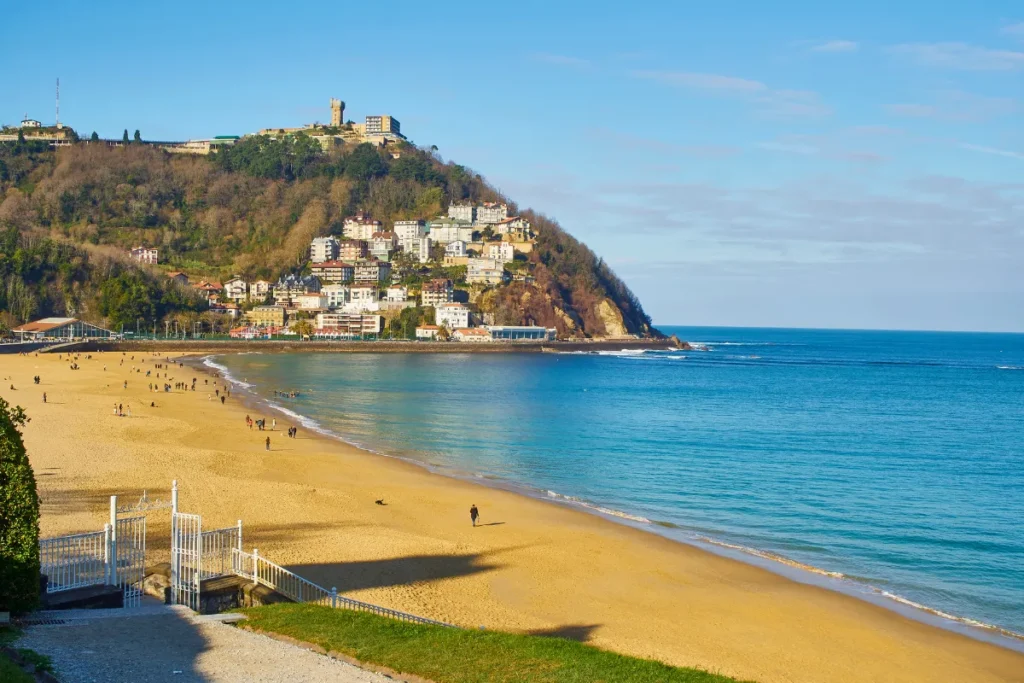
159, 643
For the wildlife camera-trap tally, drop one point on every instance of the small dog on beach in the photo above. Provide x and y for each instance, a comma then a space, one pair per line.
380, 502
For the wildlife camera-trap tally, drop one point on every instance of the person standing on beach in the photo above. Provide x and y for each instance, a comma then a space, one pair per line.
268, 443
44, 397
474, 514
273, 425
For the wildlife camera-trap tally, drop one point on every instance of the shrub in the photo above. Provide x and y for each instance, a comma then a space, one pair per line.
19, 517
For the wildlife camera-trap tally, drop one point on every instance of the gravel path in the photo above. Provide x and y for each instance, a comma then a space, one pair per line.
166, 644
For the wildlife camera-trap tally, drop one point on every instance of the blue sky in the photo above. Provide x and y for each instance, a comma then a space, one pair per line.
737, 163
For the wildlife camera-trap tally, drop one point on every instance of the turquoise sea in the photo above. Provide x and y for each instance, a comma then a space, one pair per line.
892, 461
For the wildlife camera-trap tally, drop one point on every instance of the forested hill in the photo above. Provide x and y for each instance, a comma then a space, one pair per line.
67, 218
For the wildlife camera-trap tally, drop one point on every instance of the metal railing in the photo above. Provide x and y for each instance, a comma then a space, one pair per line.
262, 571
216, 546
75, 561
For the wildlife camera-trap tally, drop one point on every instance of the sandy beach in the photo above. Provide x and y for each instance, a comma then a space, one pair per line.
532, 566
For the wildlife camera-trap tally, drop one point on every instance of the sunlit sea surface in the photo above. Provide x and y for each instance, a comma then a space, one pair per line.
893, 459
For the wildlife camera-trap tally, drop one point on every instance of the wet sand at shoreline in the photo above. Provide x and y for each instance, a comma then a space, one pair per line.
534, 566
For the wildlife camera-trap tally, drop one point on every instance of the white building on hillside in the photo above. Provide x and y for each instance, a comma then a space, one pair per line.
455, 249
407, 231
437, 292
445, 230
452, 316
491, 213
259, 290
236, 289
485, 271
323, 249
337, 295
363, 298
397, 293
462, 211
502, 252
144, 255
360, 227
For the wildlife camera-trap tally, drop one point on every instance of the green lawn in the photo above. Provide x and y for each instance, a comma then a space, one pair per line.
447, 655
9, 671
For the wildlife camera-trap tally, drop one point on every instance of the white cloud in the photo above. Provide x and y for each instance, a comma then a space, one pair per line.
836, 46
961, 56
991, 150
1016, 30
781, 103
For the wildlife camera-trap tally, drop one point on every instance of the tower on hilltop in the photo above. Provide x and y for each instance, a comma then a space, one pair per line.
337, 113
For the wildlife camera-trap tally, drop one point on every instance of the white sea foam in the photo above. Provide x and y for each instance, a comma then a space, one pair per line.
225, 373
1010, 367
597, 508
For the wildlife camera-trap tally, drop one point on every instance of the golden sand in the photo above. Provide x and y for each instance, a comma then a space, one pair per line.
533, 566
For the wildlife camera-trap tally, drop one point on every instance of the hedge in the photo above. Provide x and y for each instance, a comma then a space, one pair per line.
19, 517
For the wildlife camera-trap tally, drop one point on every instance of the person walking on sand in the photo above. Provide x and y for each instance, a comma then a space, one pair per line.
268, 443
273, 425
44, 397
474, 514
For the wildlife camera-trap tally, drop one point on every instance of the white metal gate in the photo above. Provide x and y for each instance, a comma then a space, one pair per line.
186, 558
129, 550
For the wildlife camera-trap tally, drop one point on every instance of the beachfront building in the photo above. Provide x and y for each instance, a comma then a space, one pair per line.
323, 249
521, 333
502, 252
144, 255
360, 227
352, 250
236, 289
363, 298
259, 290
266, 316
471, 334
419, 249
445, 230
462, 211
372, 271
333, 271
310, 302
437, 292
60, 328
291, 286
337, 294
485, 271
452, 316
456, 249
382, 244
491, 213
427, 332
347, 325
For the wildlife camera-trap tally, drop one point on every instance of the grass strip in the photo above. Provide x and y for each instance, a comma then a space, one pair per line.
448, 655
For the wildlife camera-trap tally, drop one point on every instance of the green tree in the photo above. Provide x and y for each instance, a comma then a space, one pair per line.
124, 138
94, 137
19, 517
364, 163
138, 136
303, 328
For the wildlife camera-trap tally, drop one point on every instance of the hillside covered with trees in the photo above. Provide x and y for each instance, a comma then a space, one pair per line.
67, 218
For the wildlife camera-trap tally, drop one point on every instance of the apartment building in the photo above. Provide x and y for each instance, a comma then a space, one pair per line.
333, 271
323, 249
514, 225
445, 230
382, 244
372, 271
336, 294
419, 249
471, 334
291, 286
456, 249
396, 293
363, 298
267, 316
386, 126
259, 290
360, 227
407, 231
437, 292
485, 271
347, 324
452, 316
352, 250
